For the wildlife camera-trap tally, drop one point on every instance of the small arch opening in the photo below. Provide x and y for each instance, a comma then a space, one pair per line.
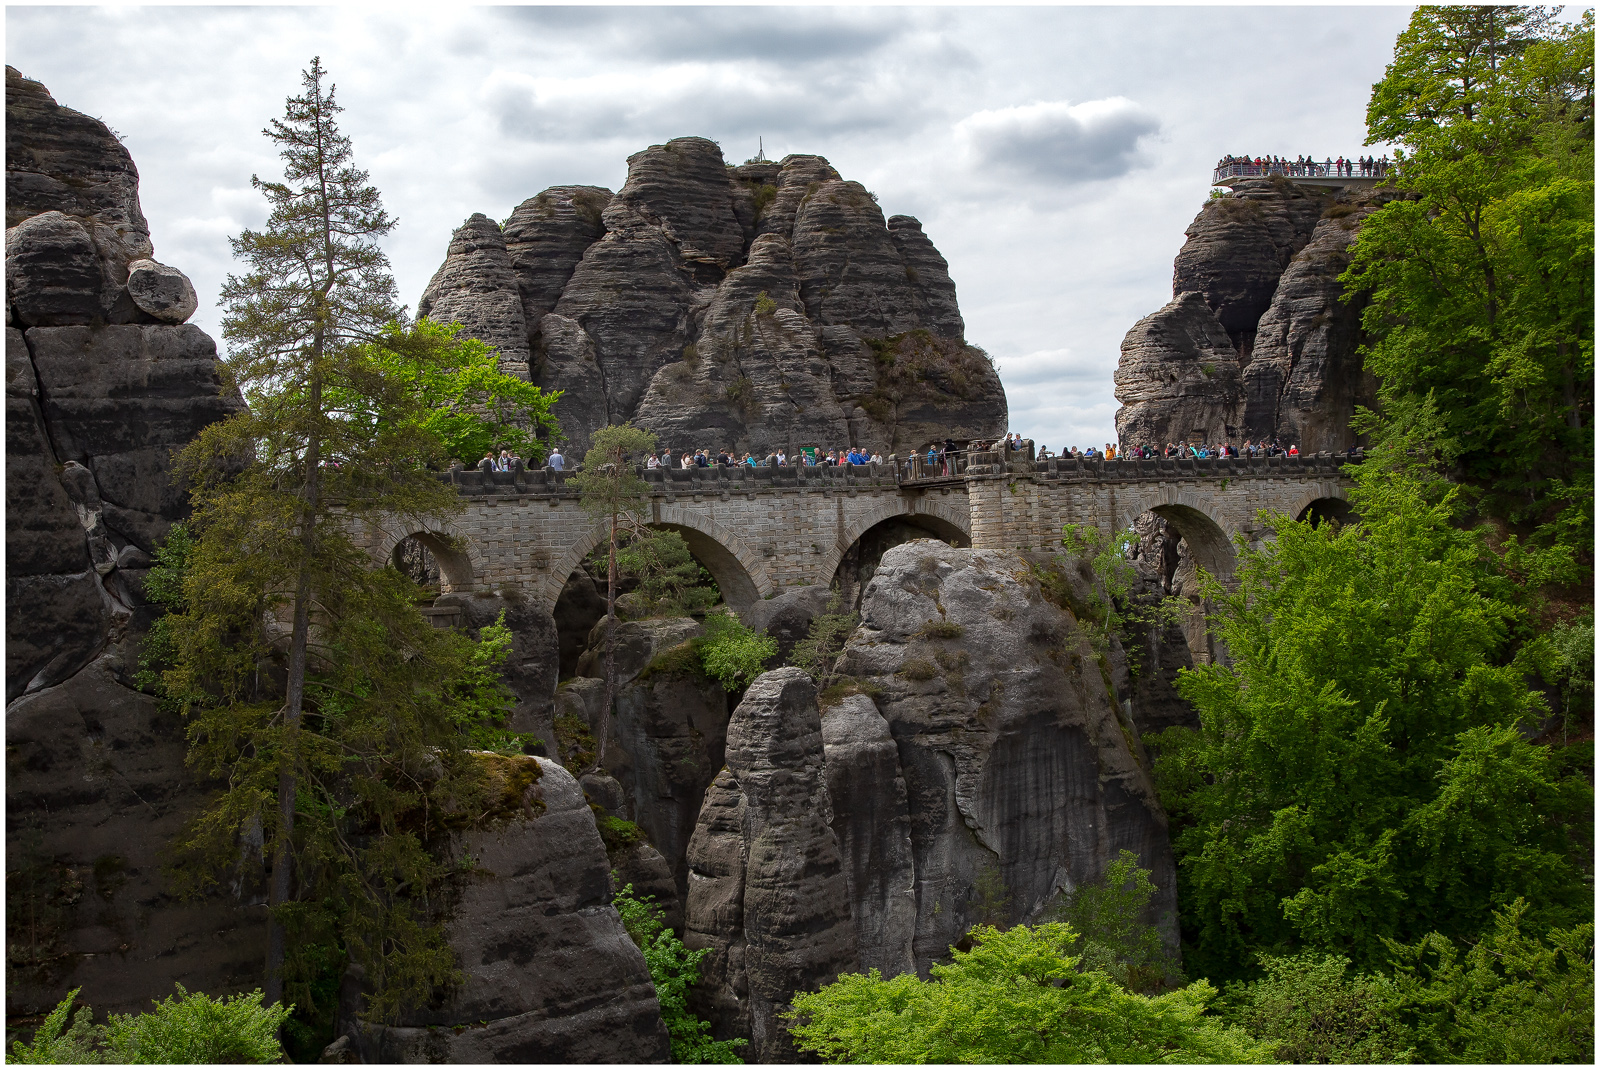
1174, 542
436, 562
1327, 511
860, 562
581, 602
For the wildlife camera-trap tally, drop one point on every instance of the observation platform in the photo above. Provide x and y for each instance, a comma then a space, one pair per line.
1328, 176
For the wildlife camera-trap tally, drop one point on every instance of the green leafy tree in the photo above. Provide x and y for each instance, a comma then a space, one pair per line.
57, 1041
1316, 1011
674, 969
1360, 773
1512, 998
1109, 914
1016, 997
194, 1028
610, 489
314, 692
462, 398
190, 1028
1482, 278
670, 582
820, 652
733, 654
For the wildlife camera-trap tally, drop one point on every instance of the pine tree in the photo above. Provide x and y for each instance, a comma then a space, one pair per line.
337, 718
610, 489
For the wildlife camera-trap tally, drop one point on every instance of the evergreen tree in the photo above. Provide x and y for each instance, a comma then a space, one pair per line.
609, 489
335, 717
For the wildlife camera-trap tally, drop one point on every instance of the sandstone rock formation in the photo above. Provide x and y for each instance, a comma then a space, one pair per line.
99, 392
749, 307
981, 762
1256, 342
769, 893
551, 975
1019, 776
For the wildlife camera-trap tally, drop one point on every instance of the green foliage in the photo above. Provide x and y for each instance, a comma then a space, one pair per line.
337, 719
618, 834
466, 402
1016, 997
1108, 914
820, 651
765, 305
670, 582
1315, 1011
1513, 998
940, 629
606, 481
674, 969
733, 654
1360, 774
1482, 281
57, 1042
194, 1028
1110, 606
189, 1028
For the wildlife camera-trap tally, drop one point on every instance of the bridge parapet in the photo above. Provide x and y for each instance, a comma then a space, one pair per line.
670, 482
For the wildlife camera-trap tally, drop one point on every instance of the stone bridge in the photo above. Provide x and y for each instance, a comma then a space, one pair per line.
760, 531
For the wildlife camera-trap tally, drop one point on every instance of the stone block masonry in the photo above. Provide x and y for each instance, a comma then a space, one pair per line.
760, 531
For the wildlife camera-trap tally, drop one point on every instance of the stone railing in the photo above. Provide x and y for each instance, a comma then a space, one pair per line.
546, 482
1351, 169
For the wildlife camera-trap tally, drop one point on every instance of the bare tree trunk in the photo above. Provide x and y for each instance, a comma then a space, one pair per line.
294, 700
611, 649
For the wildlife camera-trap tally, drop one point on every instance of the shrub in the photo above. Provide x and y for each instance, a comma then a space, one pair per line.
733, 654
940, 629
673, 969
918, 669
55, 1042
194, 1028
189, 1028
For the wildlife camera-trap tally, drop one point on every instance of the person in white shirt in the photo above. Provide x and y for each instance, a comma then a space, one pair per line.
783, 461
556, 461
651, 463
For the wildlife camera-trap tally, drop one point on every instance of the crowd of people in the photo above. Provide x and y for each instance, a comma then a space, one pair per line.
1308, 167
937, 458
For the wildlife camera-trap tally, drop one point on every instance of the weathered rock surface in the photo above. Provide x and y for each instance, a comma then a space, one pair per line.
1238, 246
60, 160
873, 822
551, 975
1305, 379
1019, 776
793, 912
1178, 377
1280, 346
667, 731
95, 791
164, 292
748, 307
52, 272
714, 909
530, 670
476, 284
98, 395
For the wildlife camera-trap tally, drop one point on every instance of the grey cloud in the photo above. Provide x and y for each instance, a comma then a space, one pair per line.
1057, 141
766, 35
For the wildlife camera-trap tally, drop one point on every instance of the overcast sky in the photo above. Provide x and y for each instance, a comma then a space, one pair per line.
1054, 154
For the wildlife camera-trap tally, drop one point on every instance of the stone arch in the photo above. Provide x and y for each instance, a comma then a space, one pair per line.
1193, 517
1327, 500
738, 572
460, 561
938, 517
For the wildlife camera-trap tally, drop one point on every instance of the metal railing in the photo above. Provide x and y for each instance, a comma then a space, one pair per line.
1289, 169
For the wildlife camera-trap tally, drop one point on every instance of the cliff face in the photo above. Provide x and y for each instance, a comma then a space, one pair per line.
1256, 342
103, 382
989, 771
749, 307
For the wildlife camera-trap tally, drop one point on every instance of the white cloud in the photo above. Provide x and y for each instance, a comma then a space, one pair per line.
1056, 141
1059, 219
